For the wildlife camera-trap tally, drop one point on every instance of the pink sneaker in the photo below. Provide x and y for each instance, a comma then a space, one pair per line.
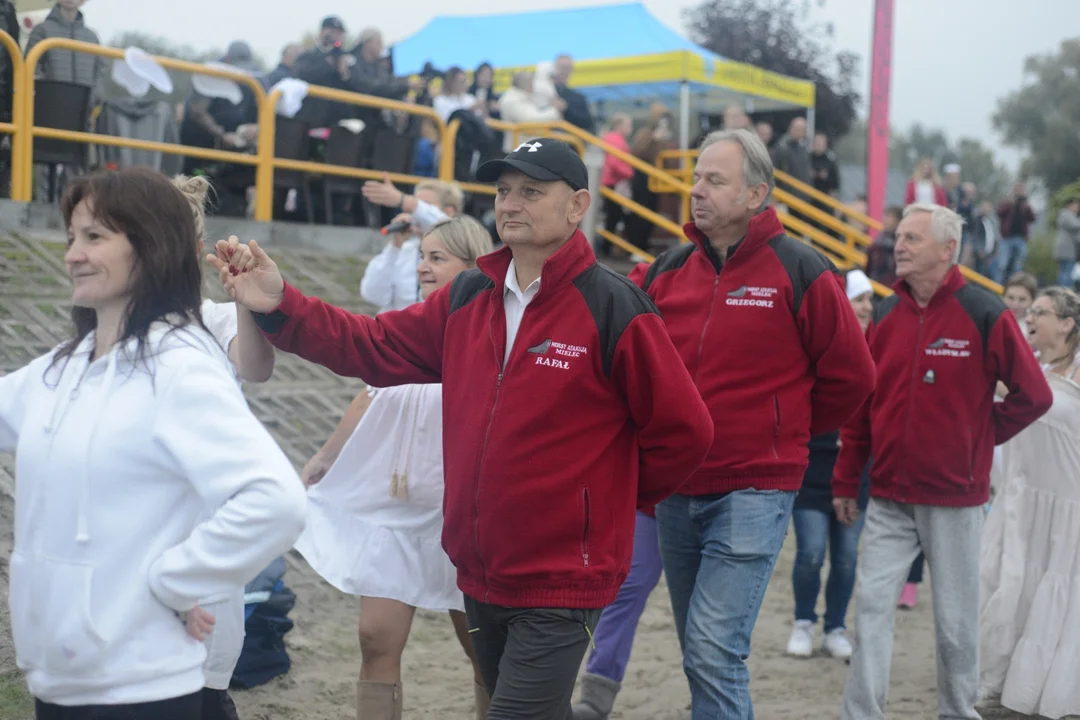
909, 596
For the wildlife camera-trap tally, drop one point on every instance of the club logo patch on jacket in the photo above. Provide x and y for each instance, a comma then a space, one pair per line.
948, 347
557, 354
752, 296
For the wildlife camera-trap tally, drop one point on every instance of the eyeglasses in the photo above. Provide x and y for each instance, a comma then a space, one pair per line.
1038, 312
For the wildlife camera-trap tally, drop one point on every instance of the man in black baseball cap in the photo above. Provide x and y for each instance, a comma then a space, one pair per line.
570, 409
332, 27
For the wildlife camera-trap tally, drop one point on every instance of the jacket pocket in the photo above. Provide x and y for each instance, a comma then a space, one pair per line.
776, 427
586, 521
51, 617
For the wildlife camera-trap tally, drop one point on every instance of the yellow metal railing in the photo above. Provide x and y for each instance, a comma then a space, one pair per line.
268, 162
854, 236
263, 160
15, 127
25, 171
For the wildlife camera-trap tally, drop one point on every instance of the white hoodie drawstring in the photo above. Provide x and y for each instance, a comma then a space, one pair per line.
82, 526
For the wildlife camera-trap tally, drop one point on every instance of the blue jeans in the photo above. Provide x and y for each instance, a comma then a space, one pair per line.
1065, 271
1011, 257
718, 553
813, 530
614, 635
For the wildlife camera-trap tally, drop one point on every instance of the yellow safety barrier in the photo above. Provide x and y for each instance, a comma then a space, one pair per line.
845, 211
655, 218
29, 68
264, 177
516, 131
619, 242
16, 126
687, 158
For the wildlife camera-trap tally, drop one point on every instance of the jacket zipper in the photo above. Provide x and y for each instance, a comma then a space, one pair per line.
74, 79
776, 427
585, 531
487, 434
914, 380
705, 327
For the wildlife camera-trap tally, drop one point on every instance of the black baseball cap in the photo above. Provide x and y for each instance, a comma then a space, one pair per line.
543, 159
333, 22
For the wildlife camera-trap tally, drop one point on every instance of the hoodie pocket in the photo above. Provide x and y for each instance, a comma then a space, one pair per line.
776, 427
586, 521
27, 622
52, 610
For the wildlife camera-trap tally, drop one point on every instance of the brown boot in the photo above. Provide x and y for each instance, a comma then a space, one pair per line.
483, 700
378, 701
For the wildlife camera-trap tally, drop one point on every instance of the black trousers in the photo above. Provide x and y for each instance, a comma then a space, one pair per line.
529, 657
218, 705
188, 707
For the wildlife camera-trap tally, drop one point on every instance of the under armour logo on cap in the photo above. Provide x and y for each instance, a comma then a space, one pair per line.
533, 147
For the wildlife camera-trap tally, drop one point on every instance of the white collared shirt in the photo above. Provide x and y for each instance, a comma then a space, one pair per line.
514, 303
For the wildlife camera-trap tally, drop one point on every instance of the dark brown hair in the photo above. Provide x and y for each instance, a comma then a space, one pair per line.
1023, 280
166, 282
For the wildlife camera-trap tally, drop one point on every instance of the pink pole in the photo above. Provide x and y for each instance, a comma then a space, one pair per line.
877, 141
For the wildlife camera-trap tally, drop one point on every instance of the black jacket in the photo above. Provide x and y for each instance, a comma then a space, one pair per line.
824, 172
577, 109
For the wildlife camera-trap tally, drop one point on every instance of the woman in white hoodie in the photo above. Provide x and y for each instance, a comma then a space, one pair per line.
143, 482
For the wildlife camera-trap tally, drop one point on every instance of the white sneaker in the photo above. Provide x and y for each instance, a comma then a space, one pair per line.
837, 644
801, 642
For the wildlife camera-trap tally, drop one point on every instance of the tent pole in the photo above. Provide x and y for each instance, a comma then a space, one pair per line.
684, 116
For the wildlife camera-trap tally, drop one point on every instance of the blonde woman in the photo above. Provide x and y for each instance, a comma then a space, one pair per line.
1030, 570
925, 185
375, 519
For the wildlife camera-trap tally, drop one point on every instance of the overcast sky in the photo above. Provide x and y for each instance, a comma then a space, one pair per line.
952, 59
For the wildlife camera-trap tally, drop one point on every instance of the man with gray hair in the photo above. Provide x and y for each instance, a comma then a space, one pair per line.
940, 345
765, 329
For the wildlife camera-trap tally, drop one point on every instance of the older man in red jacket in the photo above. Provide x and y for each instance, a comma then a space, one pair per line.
766, 331
941, 345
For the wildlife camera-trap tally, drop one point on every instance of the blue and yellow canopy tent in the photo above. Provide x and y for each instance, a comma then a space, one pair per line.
624, 57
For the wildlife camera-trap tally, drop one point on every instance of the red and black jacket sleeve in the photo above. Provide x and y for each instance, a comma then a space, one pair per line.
854, 446
675, 429
831, 335
394, 348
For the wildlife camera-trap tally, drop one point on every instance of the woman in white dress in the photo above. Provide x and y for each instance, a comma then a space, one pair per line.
1030, 569
375, 518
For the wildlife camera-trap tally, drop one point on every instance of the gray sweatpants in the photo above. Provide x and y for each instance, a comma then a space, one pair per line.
892, 537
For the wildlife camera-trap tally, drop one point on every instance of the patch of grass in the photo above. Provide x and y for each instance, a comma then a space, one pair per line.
15, 701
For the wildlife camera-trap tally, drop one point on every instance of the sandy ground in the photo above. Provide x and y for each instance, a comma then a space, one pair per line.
438, 681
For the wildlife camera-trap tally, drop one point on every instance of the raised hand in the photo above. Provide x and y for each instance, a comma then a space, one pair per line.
382, 193
248, 275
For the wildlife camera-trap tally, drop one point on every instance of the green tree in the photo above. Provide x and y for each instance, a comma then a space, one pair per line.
782, 36
977, 161
1043, 117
